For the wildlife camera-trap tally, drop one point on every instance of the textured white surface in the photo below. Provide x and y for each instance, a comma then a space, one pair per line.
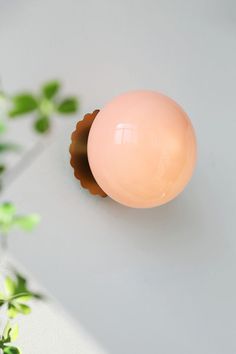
49, 330
152, 281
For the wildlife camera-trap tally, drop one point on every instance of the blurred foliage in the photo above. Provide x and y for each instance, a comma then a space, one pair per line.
14, 299
43, 105
9, 219
16, 295
10, 334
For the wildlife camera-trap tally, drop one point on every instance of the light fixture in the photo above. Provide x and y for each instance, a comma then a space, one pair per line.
139, 149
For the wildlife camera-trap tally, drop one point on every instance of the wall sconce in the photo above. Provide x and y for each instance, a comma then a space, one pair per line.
140, 150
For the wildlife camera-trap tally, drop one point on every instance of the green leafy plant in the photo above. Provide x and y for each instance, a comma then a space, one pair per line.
17, 294
14, 300
44, 105
10, 220
9, 335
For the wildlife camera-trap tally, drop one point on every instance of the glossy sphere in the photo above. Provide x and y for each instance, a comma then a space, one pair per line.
142, 149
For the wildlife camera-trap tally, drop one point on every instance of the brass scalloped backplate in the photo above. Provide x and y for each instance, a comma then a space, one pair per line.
79, 157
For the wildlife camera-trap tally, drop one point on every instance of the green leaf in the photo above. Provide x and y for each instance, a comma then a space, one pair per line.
10, 333
51, 88
2, 127
5, 147
21, 284
7, 211
42, 124
23, 103
7, 208
11, 350
2, 299
2, 168
68, 105
10, 286
28, 222
23, 297
7, 331
12, 311
14, 332
23, 309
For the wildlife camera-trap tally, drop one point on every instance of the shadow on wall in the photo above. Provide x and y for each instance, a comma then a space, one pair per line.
183, 227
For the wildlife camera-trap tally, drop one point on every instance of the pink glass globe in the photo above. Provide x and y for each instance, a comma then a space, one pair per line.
142, 149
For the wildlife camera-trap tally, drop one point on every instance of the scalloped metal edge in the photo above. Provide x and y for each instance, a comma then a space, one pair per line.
79, 157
